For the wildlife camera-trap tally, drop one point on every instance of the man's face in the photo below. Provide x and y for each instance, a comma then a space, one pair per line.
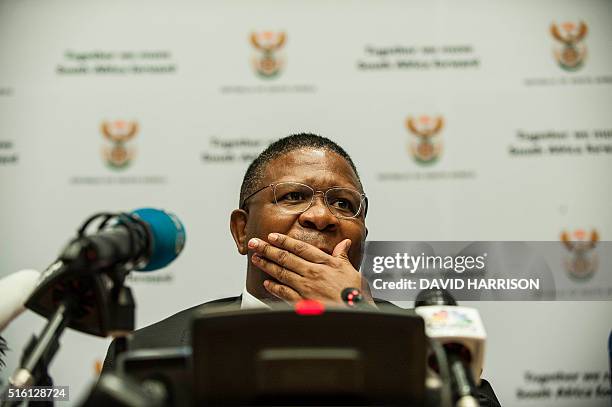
321, 169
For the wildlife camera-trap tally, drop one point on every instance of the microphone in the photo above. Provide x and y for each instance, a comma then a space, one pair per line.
434, 297
166, 239
89, 273
351, 297
147, 239
461, 332
84, 289
14, 291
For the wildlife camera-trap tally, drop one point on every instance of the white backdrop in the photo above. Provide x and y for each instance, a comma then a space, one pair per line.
186, 74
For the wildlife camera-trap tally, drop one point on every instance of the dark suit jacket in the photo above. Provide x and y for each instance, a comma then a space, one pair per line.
171, 332
175, 331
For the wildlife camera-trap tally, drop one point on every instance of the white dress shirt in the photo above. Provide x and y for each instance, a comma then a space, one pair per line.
249, 301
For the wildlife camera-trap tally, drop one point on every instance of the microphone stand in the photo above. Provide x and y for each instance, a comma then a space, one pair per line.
40, 351
36, 361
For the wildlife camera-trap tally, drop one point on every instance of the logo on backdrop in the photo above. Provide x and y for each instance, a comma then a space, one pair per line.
571, 52
119, 154
426, 145
268, 60
582, 261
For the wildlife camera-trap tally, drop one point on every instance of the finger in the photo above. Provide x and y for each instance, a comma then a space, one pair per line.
281, 274
301, 249
281, 257
282, 291
342, 249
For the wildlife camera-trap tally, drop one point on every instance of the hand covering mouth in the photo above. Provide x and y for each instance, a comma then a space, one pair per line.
318, 240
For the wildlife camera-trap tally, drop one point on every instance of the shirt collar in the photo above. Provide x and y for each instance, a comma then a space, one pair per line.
249, 301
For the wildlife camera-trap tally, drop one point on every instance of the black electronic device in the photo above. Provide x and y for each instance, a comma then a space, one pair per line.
165, 373
309, 355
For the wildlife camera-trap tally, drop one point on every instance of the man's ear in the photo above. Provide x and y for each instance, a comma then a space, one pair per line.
238, 222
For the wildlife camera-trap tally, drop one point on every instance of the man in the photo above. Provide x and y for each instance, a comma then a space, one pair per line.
301, 224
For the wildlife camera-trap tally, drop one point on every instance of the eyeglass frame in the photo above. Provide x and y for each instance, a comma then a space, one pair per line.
362, 202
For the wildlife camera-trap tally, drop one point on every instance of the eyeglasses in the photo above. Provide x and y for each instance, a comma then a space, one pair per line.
294, 197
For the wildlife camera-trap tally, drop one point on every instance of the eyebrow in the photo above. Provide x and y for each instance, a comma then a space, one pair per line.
312, 181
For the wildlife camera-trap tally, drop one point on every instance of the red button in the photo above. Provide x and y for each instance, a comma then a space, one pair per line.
309, 307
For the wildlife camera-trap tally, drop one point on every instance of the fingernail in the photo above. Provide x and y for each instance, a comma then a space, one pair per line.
273, 237
266, 283
253, 243
255, 258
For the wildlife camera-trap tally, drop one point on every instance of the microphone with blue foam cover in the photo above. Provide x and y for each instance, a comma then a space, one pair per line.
167, 235
91, 270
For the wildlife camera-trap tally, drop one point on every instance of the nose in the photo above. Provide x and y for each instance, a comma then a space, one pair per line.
318, 216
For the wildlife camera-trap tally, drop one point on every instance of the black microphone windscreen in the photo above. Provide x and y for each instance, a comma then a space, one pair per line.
434, 297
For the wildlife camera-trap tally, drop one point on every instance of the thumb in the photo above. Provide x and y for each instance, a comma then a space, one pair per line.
341, 250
